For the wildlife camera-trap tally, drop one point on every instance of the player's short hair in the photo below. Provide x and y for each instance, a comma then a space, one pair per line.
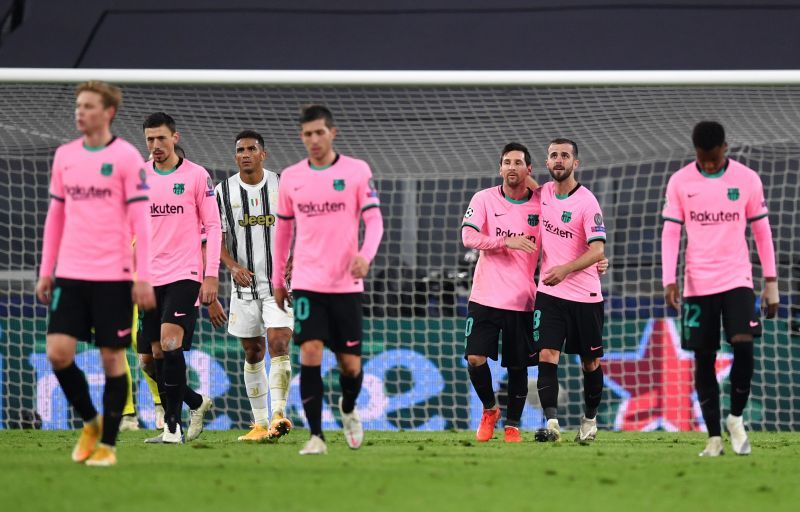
313, 112
708, 135
157, 119
562, 140
111, 94
516, 146
250, 134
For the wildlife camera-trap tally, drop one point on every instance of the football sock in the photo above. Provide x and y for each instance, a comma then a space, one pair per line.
705, 382
191, 398
517, 394
311, 396
76, 389
481, 378
547, 386
592, 391
741, 374
280, 376
255, 381
149, 371
351, 387
114, 396
159, 380
174, 385
129, 408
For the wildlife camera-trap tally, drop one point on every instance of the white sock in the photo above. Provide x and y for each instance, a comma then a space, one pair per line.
280, 375
255, 380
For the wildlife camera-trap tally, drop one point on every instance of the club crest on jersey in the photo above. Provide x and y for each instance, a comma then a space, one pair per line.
142, 181
178, 189
338, 185
733, 194
533, 220
566, 217
107, 169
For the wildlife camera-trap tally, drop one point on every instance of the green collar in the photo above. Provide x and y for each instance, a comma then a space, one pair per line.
95, 149
167, 172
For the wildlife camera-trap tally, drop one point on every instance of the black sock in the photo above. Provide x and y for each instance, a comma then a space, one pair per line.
741, 375
592, 391
351, 387
517, 394
481, 378
311, 396
547, 386
162, 394
192, 398
76, 389
705, 382
174, 385
115, 394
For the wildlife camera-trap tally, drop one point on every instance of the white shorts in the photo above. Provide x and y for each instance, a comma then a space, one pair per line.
252, 318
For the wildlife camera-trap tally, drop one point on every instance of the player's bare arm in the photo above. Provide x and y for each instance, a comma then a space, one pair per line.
240, 274
593, 255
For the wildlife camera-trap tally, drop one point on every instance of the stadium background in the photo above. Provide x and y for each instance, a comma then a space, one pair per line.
430, 149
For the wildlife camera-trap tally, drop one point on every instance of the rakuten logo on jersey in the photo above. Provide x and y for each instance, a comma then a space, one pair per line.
315, 209
505, 233
79, 193
706, 217
162, 210
555, 230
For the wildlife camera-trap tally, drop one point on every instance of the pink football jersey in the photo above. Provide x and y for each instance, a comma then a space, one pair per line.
326, 206
183, 210
504, 277
715, 210
96, 185
569, 224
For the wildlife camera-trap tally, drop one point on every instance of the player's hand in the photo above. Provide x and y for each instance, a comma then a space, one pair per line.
143, 296
555, 275
673, 296
359, 267
770, 299
520, 243
602, 265
241, 275
216, 313
208, 290
281, 296
44, 289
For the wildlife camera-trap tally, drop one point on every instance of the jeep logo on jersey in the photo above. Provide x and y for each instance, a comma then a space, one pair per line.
566, 217
533, 220
178, 189
338, 185
733, 194
257, 220
107, 169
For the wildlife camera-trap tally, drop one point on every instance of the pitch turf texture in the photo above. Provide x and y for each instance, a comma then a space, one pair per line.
404, 471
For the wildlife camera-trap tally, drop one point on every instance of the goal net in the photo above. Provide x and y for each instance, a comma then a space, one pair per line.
431, 148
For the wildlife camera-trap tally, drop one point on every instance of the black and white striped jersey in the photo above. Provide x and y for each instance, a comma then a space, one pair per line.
248, 225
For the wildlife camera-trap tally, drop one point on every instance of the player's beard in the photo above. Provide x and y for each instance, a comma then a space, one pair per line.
519, 182
563, 174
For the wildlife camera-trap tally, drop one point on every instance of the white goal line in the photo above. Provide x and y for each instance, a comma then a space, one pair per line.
403, 78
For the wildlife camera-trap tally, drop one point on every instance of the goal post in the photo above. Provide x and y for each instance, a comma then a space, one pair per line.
433, 139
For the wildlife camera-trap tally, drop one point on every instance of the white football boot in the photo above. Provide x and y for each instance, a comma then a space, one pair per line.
739, 440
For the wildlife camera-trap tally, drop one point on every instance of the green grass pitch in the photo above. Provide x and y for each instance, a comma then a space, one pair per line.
404, 471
